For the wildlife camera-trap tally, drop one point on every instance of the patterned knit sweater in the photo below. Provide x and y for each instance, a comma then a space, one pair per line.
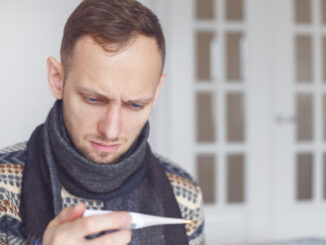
12, 159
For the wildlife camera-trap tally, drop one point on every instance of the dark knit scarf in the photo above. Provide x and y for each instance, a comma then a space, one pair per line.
137, 182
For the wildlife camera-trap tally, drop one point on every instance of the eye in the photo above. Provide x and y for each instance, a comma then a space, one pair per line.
91, 100
135, 106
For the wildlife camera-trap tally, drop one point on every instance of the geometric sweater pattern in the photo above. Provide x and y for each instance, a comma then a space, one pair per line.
12, 159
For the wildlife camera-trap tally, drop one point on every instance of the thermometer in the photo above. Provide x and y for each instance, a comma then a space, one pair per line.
140, 220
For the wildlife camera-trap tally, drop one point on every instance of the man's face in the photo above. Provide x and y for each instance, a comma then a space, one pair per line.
108, 97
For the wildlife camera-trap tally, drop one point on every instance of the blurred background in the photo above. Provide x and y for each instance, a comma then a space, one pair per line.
243, 108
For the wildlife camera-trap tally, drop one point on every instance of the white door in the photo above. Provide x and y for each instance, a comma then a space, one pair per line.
246, 106
299, 109
211, 113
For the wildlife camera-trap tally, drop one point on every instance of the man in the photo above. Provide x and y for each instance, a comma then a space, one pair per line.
92, 150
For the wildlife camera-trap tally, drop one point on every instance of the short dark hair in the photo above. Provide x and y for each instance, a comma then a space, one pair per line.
112, 24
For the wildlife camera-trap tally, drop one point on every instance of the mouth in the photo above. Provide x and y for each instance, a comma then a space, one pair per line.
105, 147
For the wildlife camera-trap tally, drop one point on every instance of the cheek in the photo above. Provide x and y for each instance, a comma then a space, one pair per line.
133, 121
82, 118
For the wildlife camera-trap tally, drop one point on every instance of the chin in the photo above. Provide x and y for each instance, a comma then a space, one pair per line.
103, 157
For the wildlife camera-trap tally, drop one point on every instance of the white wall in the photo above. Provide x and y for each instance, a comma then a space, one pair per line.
30, 31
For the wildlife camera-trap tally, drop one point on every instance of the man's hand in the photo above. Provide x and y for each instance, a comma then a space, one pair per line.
70, 228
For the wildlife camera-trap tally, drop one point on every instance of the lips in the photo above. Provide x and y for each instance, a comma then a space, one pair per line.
104, 147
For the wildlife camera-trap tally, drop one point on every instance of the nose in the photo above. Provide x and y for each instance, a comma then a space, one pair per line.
110, 124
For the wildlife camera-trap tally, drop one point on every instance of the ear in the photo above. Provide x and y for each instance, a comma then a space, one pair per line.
55, 77
158, 88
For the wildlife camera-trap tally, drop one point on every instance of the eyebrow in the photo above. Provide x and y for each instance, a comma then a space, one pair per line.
95, 93
91, 91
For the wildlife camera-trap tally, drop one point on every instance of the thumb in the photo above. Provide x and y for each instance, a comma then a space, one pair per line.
69, 214
75, 213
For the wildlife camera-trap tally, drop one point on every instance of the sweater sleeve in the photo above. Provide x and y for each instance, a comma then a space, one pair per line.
197, 235
11, 227
189, 198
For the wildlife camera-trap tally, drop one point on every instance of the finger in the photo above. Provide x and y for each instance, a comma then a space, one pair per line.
76, 212
97, 223
68, 214
119, 237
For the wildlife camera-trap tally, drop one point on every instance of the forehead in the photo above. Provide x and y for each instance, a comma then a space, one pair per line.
138, 48
137, 65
